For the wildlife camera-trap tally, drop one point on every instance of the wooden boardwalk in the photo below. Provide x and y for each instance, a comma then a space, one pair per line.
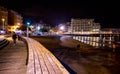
41, 60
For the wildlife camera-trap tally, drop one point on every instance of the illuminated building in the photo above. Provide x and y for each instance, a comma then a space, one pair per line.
84, 26
9, 19
15, 20
3, 17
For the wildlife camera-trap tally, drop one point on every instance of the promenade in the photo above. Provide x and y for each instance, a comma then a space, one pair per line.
13, 58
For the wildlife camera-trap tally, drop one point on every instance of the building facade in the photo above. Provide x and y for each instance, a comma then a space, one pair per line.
3, 17
15, 20
84, 26
9, 20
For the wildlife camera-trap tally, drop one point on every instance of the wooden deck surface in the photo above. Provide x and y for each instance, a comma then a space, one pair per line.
41, 60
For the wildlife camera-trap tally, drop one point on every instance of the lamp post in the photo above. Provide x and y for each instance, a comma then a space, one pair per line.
28, 23
3, 20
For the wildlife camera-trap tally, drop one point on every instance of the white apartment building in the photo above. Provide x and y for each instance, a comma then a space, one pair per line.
84, 26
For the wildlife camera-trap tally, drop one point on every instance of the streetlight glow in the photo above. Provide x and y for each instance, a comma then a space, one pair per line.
28, 23
3, 20
62, 27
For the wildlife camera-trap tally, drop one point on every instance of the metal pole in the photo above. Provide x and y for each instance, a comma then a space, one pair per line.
27, 31
3, 25
28, 23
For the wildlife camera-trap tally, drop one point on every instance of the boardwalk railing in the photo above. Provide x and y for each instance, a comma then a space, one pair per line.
41, 60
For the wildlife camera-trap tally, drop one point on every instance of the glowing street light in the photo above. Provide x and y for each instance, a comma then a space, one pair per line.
38, 28
62, 27
3, 20
28, 23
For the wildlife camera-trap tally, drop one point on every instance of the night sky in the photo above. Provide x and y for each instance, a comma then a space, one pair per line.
59, 11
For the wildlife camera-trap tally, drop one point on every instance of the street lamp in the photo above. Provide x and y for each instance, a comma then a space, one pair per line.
3, 20
62, 28
28, 23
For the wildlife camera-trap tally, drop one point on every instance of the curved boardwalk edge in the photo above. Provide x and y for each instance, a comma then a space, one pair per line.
41, 60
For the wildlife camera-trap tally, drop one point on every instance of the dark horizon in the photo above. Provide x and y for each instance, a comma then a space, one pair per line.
55, 12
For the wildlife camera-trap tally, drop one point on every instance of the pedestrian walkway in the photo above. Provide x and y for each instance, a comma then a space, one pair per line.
41, 60
13, 58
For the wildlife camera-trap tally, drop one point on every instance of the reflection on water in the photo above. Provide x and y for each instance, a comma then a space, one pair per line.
96, 41
110, 60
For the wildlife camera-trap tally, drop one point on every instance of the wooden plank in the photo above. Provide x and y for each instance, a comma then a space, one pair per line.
30, 67
61, 67
48, 65
55, 67
56, 62
36, 63
42, 61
